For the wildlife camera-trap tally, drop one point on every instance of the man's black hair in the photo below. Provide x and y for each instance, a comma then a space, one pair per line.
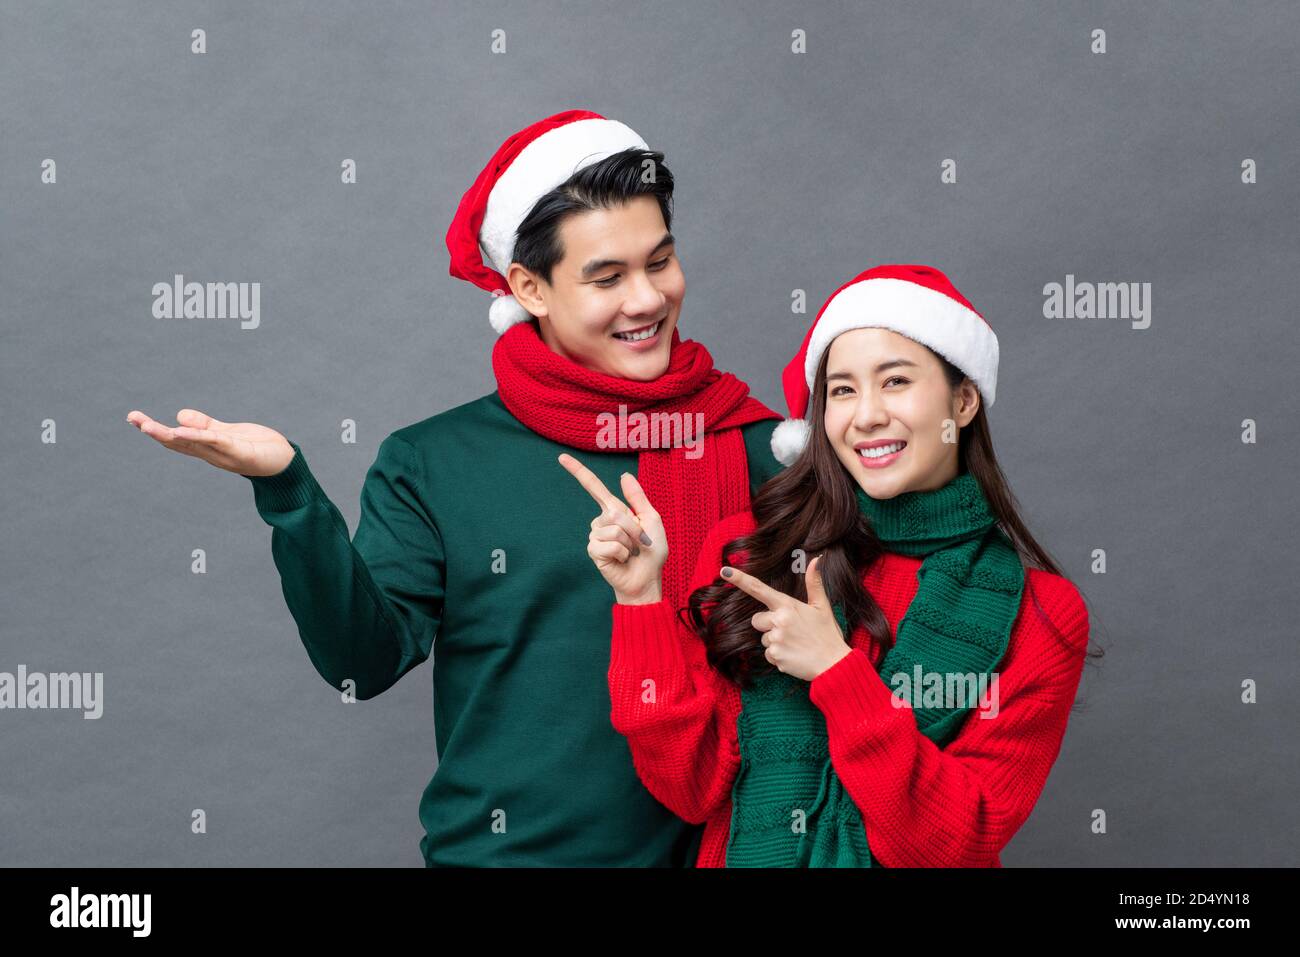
611, 182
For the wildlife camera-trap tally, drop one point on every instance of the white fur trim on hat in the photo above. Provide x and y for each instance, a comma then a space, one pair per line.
789, 438
541, 166
923, 315
505, 312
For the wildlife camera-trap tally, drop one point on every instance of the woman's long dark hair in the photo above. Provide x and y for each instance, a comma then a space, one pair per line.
811, 508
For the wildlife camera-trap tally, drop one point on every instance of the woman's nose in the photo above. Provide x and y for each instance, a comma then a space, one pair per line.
870, 411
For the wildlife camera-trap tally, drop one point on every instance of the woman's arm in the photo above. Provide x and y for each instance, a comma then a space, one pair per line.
956, 807
677, 713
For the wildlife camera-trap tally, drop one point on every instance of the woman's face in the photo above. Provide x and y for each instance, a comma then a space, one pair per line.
884, 389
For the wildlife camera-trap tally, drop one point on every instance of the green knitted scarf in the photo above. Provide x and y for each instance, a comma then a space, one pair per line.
789, 808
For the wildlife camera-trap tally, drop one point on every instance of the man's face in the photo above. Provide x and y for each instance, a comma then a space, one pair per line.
619, 276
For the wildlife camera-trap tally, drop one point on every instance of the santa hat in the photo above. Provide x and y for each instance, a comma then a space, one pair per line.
915, 301
528, 165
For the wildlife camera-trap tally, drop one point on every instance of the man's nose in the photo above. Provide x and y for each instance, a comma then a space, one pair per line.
644, 298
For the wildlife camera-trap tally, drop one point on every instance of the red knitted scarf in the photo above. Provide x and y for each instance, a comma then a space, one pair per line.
563, 401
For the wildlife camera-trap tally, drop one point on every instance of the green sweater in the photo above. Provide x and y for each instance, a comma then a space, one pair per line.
470, 530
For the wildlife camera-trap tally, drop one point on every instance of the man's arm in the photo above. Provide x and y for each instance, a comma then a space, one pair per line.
368, 608
758, 451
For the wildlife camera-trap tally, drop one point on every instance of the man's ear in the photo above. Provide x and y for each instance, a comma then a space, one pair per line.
525, 286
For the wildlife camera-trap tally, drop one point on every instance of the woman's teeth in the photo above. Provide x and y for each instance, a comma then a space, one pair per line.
638, 336
882, 450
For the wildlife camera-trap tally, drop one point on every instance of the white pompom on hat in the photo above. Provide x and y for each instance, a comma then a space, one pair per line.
528, 165
913, 300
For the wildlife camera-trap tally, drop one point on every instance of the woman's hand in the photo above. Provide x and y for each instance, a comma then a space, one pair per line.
802, 640
243, 447
629, 549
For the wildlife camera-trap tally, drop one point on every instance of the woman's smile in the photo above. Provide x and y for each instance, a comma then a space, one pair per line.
879, 453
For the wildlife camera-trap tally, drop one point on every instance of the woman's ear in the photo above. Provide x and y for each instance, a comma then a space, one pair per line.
967, 402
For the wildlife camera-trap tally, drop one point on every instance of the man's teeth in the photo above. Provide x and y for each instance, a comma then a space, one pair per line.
883, 450
637, 336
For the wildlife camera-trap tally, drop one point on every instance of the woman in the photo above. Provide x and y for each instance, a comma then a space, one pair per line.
925, 737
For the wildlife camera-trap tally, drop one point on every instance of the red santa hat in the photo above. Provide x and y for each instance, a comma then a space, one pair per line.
528, 165
915, 301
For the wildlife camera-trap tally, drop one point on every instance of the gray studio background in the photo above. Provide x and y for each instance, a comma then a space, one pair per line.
794, 172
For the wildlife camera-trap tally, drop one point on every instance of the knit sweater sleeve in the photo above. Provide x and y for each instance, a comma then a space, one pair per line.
677, 713
367, 607
959, 806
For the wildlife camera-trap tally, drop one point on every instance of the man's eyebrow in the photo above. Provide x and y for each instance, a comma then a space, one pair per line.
887, 364
596, 265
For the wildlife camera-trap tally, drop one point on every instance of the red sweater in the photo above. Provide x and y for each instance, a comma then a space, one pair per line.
921, 806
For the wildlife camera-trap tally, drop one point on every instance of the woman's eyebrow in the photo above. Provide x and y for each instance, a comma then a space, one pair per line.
887, 364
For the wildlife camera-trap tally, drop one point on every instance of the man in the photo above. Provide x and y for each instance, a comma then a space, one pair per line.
471, 529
